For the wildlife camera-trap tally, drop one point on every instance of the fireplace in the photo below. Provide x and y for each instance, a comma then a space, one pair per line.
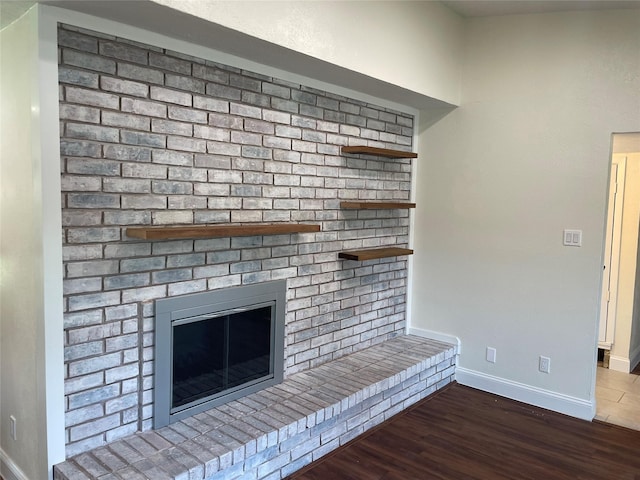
217, 346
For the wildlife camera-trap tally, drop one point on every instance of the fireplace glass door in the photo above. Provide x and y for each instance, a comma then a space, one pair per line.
220, 353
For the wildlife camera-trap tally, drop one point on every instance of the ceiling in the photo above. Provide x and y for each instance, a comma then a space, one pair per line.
488, 8
10, 10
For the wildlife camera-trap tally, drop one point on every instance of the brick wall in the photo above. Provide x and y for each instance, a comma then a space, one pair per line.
154, 137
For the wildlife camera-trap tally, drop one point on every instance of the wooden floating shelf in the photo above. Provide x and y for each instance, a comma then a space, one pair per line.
375, 205
210, 231
374, 253
381, 152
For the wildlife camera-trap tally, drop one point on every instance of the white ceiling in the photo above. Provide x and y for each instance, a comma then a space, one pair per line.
10, 10
488, 8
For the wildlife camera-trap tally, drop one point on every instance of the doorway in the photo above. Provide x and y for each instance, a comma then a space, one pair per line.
617, 383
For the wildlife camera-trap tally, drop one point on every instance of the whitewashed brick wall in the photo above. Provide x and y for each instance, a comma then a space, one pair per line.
153, 137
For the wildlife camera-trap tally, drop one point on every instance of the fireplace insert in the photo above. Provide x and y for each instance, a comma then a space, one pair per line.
217, 346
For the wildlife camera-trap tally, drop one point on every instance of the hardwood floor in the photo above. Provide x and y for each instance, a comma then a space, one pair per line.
462, 433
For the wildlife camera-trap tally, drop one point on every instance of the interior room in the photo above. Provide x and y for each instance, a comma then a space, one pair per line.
398, 196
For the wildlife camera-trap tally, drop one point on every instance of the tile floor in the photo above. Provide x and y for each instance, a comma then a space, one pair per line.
618, 398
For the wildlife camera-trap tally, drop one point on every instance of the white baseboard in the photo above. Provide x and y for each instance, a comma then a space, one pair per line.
8, 469
619, 364
441, 337
572, 406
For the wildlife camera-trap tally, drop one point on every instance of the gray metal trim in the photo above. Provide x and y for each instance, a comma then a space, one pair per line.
178, 310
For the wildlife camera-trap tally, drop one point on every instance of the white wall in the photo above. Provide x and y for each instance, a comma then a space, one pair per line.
525, 156
30, 357
414, 45
622, 349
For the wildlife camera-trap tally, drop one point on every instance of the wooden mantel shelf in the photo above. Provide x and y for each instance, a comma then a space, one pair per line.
376, 205
381, 152
374, 253
224, 230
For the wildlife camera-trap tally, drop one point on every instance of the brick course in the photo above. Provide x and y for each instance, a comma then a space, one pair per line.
153, 137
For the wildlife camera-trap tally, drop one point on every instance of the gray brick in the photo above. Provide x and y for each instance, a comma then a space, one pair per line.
276, 117
186, 202
92, 132
144, 139
72, 218
288, 132
91, 267
171, 96
82, 285
90, 397
96, 332
126, 281
169, 63
80, 113
88, 61
143, 74
143, 107
117, 374
187, 260
127, 153
246, 138
171, 217
90, 97
192, 174
223, 91
127, 250
123, 52
77, 40
211, 74
142, 264
186, 144
144, 202
85, 302
80, 183
225, 121
171, 187
256, 152
127, 87
285, 105
93, 200
223, 148
256, 99
168, 126
172, 158
184, 83
187, 115
79, 148
78, 77
116, 119
210, 133
276, 90
169, 276
210, 189
144, 294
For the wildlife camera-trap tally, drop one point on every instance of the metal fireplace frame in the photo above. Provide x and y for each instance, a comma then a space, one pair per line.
206, 305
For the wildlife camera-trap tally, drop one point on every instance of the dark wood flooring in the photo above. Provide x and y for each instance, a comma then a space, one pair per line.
461, 433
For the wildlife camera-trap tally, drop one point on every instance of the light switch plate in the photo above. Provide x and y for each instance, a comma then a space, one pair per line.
572, 238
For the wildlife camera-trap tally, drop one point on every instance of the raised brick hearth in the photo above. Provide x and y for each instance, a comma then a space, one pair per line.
271, 434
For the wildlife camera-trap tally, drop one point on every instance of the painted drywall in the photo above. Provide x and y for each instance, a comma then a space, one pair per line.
414, 45
622, 348
20, 271
30, 355
525, 156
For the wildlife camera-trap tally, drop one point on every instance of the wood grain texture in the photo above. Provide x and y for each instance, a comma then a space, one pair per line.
373, 253
376, 205
463, 433
210, 231
380, 152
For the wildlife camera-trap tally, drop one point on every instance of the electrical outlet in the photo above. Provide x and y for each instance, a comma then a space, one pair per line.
544, 364
13, 427
491, 354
